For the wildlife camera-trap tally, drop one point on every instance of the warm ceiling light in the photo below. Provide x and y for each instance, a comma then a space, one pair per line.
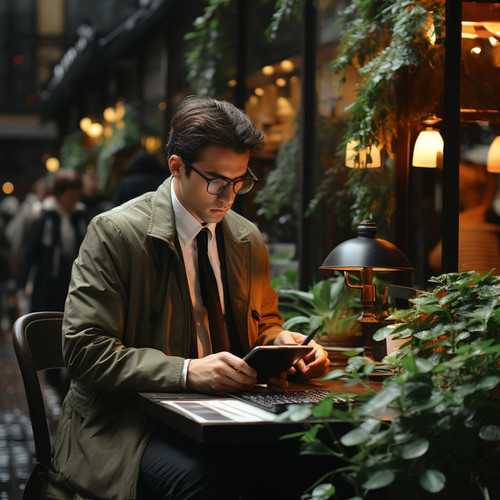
52, 164
85, 123
281, 82
493, 159
287, 65
8, 187
109, 114
95, 130
476, 50
120, 110
268, 70
359, 159
232, 83
493, 41
108, 131
259, 91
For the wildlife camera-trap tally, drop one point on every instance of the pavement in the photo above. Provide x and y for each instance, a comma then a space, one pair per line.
17, 449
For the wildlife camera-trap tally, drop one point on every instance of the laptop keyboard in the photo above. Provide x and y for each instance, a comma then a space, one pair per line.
277, 402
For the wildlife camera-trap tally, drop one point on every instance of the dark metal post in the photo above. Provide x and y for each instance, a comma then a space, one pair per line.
451, 136
308, 111
241, 55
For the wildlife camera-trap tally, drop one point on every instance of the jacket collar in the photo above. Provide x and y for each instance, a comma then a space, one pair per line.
162, 220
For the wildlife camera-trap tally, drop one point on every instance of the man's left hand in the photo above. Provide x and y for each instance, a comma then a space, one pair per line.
314, 364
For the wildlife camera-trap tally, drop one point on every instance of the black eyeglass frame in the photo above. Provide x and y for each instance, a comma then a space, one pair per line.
228, 182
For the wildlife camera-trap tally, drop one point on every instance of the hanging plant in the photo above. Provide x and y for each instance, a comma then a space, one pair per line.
379, 39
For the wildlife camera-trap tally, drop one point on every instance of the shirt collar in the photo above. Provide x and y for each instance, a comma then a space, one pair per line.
186, 225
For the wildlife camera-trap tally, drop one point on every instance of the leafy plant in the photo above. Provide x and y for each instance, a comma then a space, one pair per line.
204, 59
329, 302
380, 38
445, 442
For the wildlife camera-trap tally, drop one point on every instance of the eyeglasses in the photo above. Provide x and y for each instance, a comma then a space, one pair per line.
218, 185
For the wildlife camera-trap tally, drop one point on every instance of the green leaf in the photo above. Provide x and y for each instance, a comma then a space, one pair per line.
355, 437
380, 401
379, 479
414, 449
333, 375
325, 490
490, 433
432, 480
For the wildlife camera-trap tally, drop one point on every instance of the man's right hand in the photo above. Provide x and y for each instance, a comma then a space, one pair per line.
220, 372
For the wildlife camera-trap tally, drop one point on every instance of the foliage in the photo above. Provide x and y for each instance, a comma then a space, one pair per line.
380, 38
280, 193
445, 442
73, 154
205, 58
329, 302
284, 10
122, 139
78, 150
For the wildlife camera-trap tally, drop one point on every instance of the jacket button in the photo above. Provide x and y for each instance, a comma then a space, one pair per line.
153, 317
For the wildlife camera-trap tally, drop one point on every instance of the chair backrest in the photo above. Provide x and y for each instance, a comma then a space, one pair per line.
37, 339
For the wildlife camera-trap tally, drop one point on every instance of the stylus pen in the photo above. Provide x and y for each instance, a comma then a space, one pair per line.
311, 335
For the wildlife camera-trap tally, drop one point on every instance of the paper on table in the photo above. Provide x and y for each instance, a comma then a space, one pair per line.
221, 410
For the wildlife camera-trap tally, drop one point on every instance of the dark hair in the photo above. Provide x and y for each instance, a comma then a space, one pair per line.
200, 122
65, 179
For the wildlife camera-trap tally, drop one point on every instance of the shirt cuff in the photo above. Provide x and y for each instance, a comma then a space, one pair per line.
184, 375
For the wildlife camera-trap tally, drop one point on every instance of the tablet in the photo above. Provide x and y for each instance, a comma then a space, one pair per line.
270, 360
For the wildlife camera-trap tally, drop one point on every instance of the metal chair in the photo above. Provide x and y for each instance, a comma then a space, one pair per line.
37, 339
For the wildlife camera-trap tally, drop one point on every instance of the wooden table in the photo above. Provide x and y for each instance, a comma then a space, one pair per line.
162, 407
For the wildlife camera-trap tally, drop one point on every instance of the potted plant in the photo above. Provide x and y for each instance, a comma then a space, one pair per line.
445, 443
329, 303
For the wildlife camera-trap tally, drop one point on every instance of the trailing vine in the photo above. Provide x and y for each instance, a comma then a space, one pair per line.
204, 61
380, 38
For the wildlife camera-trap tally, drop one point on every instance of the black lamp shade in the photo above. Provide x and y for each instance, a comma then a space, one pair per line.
366, 251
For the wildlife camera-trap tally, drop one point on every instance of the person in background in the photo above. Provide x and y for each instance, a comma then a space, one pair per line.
19, 228
55, 239
143, 174
136, 319
95, 203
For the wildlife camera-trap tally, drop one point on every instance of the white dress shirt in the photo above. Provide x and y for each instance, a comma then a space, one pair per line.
187, 228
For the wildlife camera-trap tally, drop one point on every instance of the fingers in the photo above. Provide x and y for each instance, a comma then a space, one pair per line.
278, 384
220, 372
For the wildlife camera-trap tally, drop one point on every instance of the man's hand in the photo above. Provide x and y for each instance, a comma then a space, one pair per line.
220, 372
314, 364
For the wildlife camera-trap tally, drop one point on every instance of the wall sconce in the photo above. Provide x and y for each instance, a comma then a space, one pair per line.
366, 254
358, 159
428, 150
493, 159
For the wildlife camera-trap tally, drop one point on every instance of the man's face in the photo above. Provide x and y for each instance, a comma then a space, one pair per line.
215, 161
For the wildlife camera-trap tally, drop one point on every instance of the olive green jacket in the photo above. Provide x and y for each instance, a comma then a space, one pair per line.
127, 324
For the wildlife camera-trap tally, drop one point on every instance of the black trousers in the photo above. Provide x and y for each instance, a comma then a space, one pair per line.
176, 467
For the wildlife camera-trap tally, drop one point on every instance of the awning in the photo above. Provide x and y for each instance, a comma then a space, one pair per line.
91, 53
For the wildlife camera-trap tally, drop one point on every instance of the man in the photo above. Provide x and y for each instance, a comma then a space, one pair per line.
135, 318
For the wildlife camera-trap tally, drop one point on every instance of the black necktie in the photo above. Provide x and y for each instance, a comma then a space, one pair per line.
210, 295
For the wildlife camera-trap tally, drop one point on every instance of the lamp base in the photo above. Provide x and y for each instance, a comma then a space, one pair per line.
372, 349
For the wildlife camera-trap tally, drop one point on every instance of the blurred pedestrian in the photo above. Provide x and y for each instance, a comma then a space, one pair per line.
143, 174
55, 239
18, 230
92, 196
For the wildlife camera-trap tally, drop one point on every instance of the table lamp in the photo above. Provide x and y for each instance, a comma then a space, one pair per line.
366, 254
